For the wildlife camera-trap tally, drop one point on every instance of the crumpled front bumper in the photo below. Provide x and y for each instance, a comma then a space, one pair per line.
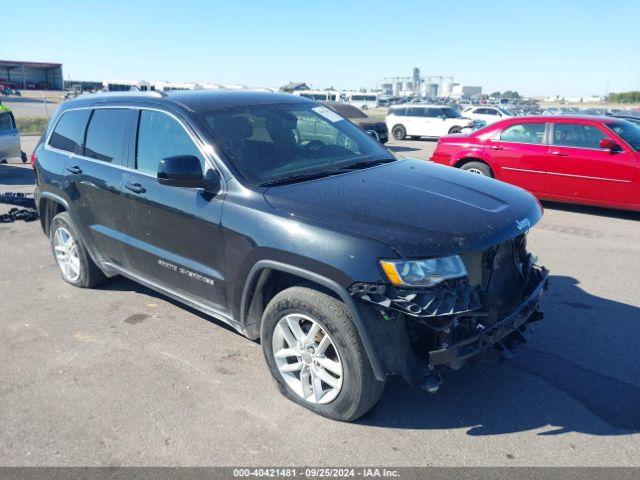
418, 331
506, 334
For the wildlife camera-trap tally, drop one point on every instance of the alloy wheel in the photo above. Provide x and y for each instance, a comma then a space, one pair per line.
307, 358
66, 252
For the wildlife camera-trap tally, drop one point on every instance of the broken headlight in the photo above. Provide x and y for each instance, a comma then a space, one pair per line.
423, 273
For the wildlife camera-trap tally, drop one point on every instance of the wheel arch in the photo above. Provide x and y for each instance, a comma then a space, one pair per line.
462, 161
50, 205
268, 277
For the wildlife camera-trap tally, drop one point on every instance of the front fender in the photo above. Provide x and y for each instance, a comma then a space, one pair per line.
328, 283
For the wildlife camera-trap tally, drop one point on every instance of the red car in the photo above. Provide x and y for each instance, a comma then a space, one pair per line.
588, 160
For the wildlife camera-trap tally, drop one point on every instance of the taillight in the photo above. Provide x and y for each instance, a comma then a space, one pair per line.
34, 157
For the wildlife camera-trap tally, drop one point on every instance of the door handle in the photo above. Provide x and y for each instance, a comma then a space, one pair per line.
76, 170
558, 154
495, 147
135, 187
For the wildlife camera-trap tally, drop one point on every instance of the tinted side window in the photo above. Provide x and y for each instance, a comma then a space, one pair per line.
415, 112
160, 136
524, 133
400, 112
575, 135
6, 122
434, 112
69, 131
107, 135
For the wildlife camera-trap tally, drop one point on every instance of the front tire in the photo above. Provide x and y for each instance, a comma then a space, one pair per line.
455, 129
76, 266
316, 356
398, 132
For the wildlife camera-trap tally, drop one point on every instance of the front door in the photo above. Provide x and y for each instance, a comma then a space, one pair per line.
520, 151
578, 169
175, 235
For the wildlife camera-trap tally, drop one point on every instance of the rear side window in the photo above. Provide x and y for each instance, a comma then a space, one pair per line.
524, 133
6, 122
69, 131
576, 135
415, 112
107, 135
160, 136
400, 112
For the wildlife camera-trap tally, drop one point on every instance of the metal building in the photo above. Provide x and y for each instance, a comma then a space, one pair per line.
31, 75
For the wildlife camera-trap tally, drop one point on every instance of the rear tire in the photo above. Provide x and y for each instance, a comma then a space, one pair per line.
76, 266
478, 168
398, 132
350, 393
23, 157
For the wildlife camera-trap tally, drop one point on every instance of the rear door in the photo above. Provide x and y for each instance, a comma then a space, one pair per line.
96, 179
578, 169
9, 137
520, 152
415, 122
175, 235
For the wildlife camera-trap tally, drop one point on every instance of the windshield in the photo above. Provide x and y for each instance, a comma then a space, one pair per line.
451, 112
507, 112
272, 143
628, 131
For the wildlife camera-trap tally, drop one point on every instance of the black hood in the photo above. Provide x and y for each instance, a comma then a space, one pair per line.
418, 208
367, 121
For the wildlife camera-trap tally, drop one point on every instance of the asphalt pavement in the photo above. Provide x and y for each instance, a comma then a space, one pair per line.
121, 375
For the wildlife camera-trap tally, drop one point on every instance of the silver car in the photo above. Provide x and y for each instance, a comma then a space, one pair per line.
9, 138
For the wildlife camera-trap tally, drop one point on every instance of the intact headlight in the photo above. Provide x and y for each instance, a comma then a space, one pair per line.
423, 273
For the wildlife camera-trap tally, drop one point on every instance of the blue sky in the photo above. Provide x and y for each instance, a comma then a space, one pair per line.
538, 47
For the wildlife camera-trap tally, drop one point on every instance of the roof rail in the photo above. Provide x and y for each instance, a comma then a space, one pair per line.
126, 93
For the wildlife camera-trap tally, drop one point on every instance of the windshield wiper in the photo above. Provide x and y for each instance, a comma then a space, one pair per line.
366, 163
326, 173
298, 178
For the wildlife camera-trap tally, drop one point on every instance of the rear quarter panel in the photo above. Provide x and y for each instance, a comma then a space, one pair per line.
452, 150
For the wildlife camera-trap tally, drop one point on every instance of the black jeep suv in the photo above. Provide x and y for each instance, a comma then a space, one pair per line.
275, 215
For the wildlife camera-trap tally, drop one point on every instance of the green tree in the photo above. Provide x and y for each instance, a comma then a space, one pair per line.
624, 97
511, 94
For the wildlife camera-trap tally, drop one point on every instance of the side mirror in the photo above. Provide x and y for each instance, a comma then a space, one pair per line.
610, 145
185, 171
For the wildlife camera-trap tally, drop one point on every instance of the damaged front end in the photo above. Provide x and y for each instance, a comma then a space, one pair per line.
420, 331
